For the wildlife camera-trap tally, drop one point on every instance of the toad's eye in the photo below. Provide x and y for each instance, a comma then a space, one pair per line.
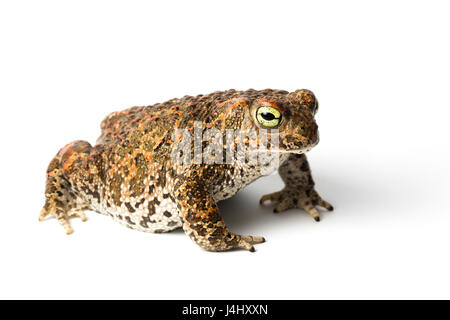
268, 117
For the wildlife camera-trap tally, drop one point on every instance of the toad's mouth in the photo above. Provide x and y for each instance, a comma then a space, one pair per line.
292, 147
287, 150
301, 151
295, 151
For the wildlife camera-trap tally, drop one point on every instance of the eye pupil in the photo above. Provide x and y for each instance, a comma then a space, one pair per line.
267, 116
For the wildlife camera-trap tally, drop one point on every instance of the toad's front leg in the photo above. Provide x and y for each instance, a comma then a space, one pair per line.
202, 221
299, 191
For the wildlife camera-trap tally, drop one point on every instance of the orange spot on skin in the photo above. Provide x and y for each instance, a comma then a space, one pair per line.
67, 164
237, 102
269, 103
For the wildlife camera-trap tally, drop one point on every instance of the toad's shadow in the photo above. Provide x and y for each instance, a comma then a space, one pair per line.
351, 197
243, 214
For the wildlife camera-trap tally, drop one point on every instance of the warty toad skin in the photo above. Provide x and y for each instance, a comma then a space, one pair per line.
130, 174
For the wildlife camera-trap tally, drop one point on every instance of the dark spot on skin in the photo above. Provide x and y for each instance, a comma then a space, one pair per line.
201, 232
96, 195
308, 192
128, 220
167, 214
161, 181
151, 208
304, 166
129, 207
140, 202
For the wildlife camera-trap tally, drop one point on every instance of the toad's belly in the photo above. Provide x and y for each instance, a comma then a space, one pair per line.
155, 213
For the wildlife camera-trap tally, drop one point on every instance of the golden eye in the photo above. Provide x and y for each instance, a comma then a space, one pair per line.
268, 117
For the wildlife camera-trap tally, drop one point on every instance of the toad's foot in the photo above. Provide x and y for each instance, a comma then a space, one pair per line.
63, 218
227, 241
291, 198
231, 241
243, 242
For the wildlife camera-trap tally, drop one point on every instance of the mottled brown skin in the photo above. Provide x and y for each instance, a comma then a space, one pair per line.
130, 175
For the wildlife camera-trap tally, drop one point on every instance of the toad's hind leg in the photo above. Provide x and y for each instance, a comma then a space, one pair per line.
61, 199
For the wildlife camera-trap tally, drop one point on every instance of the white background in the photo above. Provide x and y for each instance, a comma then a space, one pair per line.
381, 72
